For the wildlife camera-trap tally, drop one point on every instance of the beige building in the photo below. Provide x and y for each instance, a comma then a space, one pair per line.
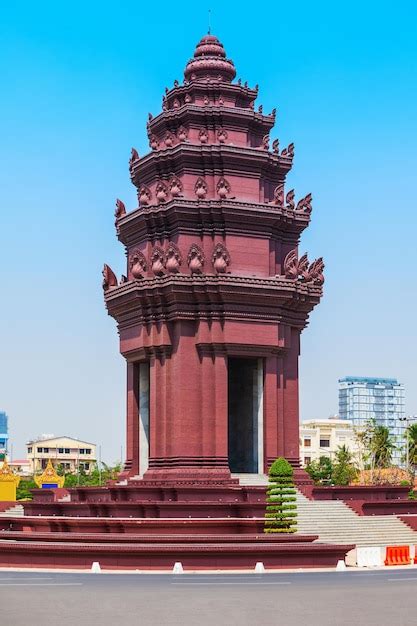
22, 467
322, 437
71, 454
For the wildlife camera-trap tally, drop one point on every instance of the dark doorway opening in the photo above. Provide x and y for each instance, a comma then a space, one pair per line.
243, 410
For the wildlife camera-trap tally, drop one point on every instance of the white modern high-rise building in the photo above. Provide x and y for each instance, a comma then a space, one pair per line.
363, 399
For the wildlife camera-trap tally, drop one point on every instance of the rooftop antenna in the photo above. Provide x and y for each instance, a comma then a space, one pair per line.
209, 22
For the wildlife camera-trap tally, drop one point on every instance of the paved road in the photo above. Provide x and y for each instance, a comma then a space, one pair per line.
378, 598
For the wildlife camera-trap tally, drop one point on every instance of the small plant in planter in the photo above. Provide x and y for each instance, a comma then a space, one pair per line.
281, 508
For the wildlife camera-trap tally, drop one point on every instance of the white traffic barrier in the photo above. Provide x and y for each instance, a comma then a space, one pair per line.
178, 568
95, 568
371, 556
341, 566
259, 568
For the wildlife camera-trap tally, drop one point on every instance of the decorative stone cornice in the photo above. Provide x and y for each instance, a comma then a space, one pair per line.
236, 118
214, 217
211, 158
192, 297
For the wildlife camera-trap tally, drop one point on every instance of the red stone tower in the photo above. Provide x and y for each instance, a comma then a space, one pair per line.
215, 297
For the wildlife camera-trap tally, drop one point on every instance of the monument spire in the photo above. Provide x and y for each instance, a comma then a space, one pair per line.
215, 294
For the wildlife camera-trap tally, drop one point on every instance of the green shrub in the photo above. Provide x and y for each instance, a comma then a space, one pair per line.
281, 508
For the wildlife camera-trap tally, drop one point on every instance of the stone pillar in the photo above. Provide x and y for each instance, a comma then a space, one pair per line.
290, 411
188, 412
132, 421
271, 410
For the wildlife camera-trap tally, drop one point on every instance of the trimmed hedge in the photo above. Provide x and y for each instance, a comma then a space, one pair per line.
281, 508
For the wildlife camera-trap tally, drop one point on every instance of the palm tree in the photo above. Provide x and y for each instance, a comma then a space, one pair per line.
382, 446
411, 437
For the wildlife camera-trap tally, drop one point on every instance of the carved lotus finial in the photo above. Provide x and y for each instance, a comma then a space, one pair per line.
315, 273
275, 146
200, 188
109, 278
157, 261
176, 103
182, 133
303, 265
273, 112
222, 135
305, 204
221, 101
120, 209
144, 195
134, 156
161, 192
154, 142
175, 186
206, 100
288, 152
203, 135
195, 259
150, 117
291, 265
246, 84
279, 195
220, 258
169, 139
137, 264
164, 104
176, 83
290, 204
223, 188
173, 258
260, 108
187, 98
265, 142
303, 270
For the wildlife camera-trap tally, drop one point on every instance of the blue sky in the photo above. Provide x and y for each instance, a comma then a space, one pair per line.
78, 80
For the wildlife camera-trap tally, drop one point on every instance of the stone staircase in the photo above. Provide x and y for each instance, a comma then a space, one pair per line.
14, 511
335, 522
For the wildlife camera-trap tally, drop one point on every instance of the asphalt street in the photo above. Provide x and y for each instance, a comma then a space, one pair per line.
289, 599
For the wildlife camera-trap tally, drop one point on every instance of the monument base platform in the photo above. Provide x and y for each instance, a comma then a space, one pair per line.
151, 526
159, 556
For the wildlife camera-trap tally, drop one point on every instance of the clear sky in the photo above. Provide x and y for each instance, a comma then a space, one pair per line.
78, 80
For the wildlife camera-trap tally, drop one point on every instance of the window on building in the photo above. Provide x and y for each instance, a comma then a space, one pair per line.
67, 450
40, 449
60, 450
46, 450
85, 466
307, 460
324, 443
307, 443
82, 450
29, 450
88, 450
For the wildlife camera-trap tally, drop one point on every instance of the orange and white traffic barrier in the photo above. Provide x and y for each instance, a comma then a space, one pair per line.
398, 555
